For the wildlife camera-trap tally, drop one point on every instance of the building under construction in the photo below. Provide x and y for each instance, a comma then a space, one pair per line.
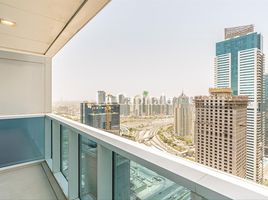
102, 116
220, 131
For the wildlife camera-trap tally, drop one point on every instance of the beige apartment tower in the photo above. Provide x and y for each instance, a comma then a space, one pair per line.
183, 120
220, 131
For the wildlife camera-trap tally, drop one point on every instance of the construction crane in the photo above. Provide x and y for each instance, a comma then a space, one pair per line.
108, 117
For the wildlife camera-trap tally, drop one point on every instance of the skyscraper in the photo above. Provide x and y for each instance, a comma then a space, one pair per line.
137, 105
124, 103
145, 104
111, 99
163, 104
239, 64
265, 108
101, 97
183, 116
220, 132
121, 99
155, 106
169, 107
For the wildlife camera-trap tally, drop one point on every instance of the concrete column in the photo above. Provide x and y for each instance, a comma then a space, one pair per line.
105, 173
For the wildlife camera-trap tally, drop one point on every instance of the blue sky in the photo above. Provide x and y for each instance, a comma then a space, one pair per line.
163, 46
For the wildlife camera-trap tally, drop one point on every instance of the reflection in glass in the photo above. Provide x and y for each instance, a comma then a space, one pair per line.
143, 183
88, 169
64, 162
121, 177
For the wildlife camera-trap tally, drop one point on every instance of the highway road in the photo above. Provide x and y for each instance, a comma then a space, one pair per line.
148, 134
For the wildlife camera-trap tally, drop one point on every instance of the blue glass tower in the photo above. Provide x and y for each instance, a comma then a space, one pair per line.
239, 65
233, 46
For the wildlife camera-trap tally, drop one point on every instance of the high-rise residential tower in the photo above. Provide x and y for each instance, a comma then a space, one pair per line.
121, 99
101, 97
239, 64
124, 103
163, 102
220, 131
265, 108
137, 105
183, 116
111, 99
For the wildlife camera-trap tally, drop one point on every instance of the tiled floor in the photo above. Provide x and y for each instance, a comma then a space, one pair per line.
27, 183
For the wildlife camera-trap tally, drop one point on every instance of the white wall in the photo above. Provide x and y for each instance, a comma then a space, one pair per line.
25, 83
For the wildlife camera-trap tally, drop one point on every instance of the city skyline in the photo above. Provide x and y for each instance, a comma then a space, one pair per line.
130, 98
239, 68
133, 100
138, 52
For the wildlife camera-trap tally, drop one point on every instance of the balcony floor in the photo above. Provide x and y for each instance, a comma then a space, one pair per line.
28, 182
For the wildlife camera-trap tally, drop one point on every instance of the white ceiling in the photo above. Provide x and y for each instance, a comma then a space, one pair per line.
44, 26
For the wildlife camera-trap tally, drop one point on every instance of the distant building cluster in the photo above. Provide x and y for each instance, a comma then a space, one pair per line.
144, 105
140, 105
105, 114
230, 125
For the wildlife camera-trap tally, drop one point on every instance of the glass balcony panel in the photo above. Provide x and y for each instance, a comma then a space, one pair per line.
134, 181
88, 169
21, 140
121, 177
51, 139
64, 162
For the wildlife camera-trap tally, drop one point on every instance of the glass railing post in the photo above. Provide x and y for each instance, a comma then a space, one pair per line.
48, 138
195, 196
56, 147
105, 172
73, 176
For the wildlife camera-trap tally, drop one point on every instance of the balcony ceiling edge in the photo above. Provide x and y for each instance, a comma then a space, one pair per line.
84, 14
43, 27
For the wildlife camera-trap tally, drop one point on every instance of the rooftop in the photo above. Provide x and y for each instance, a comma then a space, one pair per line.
238, 31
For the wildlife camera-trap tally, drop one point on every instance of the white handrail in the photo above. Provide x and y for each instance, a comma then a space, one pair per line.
205, 181
2, 117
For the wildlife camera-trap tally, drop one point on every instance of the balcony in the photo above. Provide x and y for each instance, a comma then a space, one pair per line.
45, 156
51, 157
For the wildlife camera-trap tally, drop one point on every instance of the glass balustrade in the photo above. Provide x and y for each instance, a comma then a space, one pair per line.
21, 140
64, 144
134, 181
78, 151
88, 169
